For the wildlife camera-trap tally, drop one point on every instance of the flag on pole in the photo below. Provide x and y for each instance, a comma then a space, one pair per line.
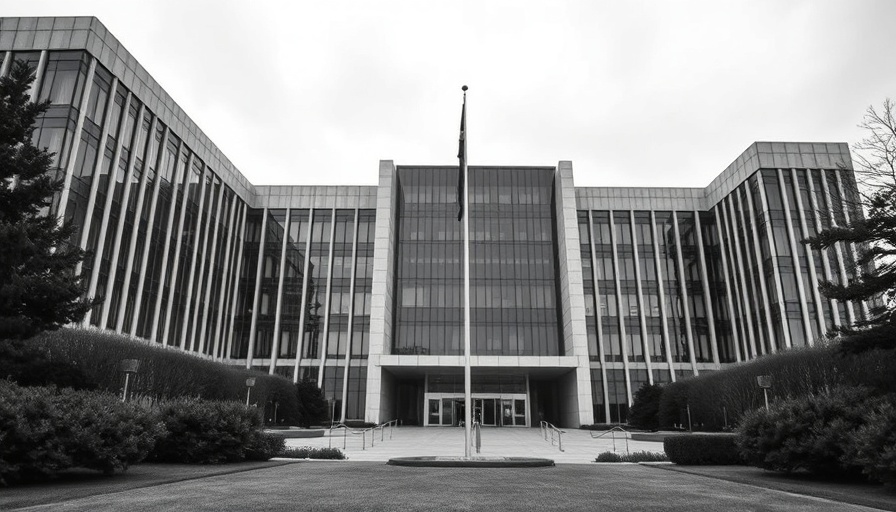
462, 201
462, 157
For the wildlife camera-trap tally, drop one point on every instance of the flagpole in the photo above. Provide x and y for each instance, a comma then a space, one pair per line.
468, 395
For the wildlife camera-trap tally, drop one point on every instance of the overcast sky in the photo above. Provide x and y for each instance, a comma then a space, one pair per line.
662, 93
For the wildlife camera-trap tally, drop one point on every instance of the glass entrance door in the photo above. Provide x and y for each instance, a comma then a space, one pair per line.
446, 409
485, 411
513, 412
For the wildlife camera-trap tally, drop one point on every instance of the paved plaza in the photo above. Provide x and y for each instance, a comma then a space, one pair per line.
578, 445
370, 486
365, 482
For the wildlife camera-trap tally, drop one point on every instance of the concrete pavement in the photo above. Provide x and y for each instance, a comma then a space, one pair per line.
578, 445
370, 486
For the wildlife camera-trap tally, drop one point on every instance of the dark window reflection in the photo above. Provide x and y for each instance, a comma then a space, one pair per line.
513, 288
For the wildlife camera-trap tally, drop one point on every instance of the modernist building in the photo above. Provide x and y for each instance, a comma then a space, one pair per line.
579, 295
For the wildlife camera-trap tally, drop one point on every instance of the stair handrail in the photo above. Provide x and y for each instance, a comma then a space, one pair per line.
625, 435
382, 427
344, 428
476, 433
546, 428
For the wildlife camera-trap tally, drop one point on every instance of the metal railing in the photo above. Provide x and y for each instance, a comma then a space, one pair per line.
476, 433
613, 431
554, 432
363, 433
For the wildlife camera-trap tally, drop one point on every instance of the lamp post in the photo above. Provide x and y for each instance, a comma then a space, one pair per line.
249, 383
765, 382
128, 366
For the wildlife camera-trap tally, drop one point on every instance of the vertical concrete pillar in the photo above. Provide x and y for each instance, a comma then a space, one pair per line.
148, 154
745, 279
825, 260
256, 295
797, 264
235, 278
379, 398
773, 255
597, 321
141, 277
275, 342
304, 305
578, 405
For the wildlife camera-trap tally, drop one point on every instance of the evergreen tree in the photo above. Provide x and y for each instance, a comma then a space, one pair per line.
38, 289
313, 407
644, 412
874, 237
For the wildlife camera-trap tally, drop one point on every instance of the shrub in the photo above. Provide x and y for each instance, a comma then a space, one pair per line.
873, 446
265, 446
608, 457
45, 430
207, 432
702, 449
642, 456
312, 406
164, 374
603, 426
306, 452
645, 456
645, 409
359, 424
26, 365
808, 433
672, 406
719, 398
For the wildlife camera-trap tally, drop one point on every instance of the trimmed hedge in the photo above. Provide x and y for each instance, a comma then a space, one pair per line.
608, 457
207, 432
359, 424
642, 456
604, 426
27, 365
164, 373
702, 449
45, 430
266, 446
306, 452
716, 397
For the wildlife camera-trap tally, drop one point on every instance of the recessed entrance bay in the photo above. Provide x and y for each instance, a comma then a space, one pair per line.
498, 400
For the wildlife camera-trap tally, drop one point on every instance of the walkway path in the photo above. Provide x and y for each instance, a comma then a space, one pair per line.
578, 445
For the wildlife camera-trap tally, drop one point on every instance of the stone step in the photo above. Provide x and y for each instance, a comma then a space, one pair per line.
578, 445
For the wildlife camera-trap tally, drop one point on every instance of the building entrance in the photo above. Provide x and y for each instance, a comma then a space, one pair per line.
489, 411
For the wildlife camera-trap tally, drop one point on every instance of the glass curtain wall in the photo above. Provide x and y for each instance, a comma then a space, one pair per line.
275, 228
293, 281
513, 289
164, 211
339, 311
319, 254
513, 273
429, 264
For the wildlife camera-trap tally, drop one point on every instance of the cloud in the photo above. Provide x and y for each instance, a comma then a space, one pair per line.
635, 93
